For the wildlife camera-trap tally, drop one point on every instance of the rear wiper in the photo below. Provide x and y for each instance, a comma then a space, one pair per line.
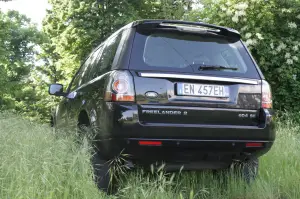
216, 67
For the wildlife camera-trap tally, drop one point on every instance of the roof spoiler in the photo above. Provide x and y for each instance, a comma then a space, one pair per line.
228, 32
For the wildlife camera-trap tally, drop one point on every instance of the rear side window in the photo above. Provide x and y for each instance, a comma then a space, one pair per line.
109, 53
175, 51
78, 80
95, 70
75, 82
104, 56
87, 67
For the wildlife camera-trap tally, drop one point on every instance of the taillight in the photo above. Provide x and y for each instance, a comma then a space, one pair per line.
120, 87
266, 100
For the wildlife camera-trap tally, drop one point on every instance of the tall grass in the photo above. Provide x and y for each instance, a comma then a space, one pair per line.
37, 163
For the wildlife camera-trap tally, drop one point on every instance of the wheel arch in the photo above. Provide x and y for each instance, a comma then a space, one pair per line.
83, 119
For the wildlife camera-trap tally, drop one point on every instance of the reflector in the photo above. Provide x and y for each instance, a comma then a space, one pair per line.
254, 144
150, 143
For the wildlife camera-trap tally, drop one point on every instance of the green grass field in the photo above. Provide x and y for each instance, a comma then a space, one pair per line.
37, 163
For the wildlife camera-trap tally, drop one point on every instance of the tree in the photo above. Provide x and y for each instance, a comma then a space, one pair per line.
31, 60
19, 41
75, 27
269, 28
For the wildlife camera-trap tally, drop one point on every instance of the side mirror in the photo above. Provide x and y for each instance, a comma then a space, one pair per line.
56, 89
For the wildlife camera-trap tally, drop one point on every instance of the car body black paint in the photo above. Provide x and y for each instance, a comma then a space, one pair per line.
192, 129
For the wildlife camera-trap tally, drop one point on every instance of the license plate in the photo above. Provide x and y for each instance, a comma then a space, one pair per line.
203, 90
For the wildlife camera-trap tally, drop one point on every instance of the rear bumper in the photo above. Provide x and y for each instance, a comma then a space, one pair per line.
192, 154
180, 142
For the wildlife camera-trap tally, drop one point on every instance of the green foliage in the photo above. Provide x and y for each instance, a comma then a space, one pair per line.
271, 31
30, 60
75, 27
19, 41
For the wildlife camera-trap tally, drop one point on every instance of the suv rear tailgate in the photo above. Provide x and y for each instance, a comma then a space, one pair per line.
240, 108
185, 77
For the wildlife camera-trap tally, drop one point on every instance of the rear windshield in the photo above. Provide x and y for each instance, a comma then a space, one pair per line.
174, 51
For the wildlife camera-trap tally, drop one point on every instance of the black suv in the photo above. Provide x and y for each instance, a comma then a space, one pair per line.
183, 93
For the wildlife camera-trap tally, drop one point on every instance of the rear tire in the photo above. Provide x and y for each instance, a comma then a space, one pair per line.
101, 167
102, 175
247, 169
250, 170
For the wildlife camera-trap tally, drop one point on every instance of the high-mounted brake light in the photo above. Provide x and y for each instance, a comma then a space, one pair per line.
120, 87
266, 100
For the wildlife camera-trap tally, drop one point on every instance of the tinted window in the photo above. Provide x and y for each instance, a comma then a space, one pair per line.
85, 70
109, 52
184, 52
95, 70
74, 83
77, 80
82, 76
104, 57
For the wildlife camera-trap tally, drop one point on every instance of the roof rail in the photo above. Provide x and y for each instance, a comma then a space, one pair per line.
160, 23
